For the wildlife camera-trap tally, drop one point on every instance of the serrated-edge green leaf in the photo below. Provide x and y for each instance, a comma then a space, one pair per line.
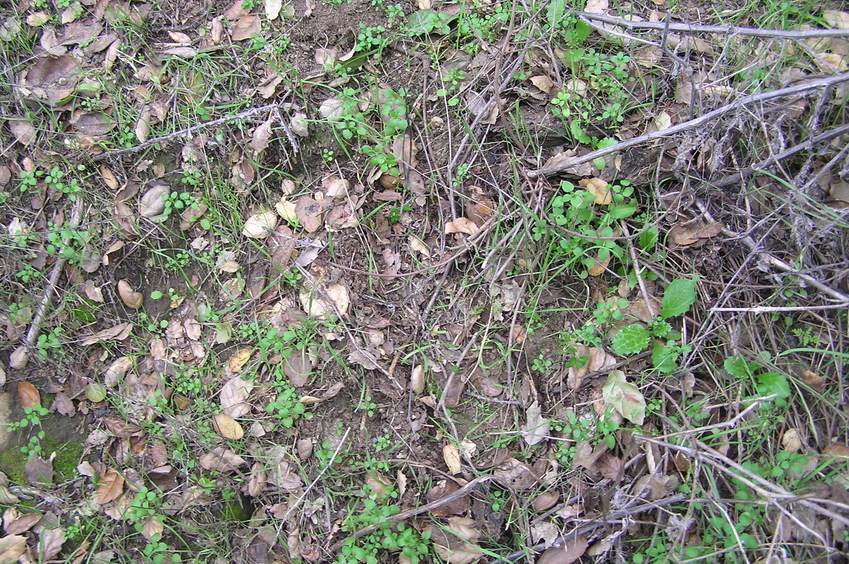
678, 297
631, 339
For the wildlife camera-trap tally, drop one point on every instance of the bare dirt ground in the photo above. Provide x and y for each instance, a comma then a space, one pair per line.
423, 282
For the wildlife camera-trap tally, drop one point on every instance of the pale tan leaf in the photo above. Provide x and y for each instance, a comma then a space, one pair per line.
152, 203
142, 129
791, 441
599, 189
260, 225
227, 427
272, 9
239, 359
537, 427
152, 526
180, 37
12, 547
50, 542
221, 459
23, 131
461, 225
597, 6
543, 83
257, 480
245, 27
308, 212
193, 329
129, 296
14, 523
624, 397
262, 135
836, 19
451, 456
110, 487
417, 379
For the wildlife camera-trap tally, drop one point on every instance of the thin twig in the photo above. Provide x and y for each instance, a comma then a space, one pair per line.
398, 517
725, 30
317, 478
50, 286
796, 89
186, 132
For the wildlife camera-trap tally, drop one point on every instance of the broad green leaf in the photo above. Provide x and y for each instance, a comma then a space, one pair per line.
737, 367
624, 397
631, 339
678, 297
664, 358
770, 383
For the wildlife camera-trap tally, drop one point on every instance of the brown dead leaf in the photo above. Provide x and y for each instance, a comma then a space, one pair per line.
239, 359
516, 475
110, 487
142, 129
39, 471
245, 27
545, 501
130, 297
52, 80
322, 303
298, 368
455, 543
791, 441
444, 488
63, 405
836, 19
221, 459
584, 169
836, 450
260, 225
813, 380
50, 543
451, 456
28, 395
280, 472
570, 552
227, 427
234, 395
586, 456
308, 212
23, 130
545, 84
694, 233
15, 524
461, 225
12, 547
262, 135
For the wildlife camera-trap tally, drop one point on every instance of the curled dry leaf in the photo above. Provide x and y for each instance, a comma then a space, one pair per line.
227, 427
694, 233
118, 333
221, 459
19, 358
130, 297
537, 427
624, 397
152, 203
419, 246
335, 187
234, 397
260, 225
142, 129
461, 225
12, 547
570, 552
598, 188
321, 303
417, 379
239, 359
451, 456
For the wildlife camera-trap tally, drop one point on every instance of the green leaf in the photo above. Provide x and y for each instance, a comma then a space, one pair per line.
664, 358
631, 339
737, 367
624, 397
770, 383
678, 297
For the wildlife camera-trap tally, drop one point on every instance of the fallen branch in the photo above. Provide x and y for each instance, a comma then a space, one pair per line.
187, 131
694, 123
724, 30
404, 515
22, 352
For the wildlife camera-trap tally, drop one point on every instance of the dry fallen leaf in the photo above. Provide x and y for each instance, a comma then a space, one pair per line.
791, 440
836, 19
599, 189
239, 359
451, 456
28, 395
537, 427
130, 297
308, 212
570, 552
694, 233
321, 303
221, 459
260, 225
461, 225
12, 547
227, 427
152, 203
110, 487
23, 130
245, 27
234, 395
118, 333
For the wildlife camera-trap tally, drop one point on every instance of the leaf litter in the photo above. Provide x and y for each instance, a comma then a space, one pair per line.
319, 293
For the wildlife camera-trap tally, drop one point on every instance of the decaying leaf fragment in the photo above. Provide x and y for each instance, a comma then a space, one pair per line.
624, 397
